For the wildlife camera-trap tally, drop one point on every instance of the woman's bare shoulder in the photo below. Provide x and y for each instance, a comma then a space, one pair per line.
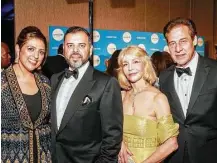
156, 94
161, 104
153, 91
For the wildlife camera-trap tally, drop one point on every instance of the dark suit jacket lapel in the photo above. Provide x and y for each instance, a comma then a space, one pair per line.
173, 97
82, 89
200, 78
55, 89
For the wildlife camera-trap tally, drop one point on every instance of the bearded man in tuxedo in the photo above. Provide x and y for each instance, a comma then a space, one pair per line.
87, 113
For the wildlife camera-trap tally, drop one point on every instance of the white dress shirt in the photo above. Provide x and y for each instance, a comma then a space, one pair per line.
184, 83
65, 92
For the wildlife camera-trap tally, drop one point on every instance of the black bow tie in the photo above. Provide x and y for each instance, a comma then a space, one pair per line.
69, 73
180, 71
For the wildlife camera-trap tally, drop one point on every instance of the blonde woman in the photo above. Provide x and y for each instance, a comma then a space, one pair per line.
149, 131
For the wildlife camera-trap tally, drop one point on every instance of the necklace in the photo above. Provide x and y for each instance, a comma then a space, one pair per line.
134, 96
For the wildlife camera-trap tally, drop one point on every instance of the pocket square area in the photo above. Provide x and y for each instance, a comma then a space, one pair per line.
87, 99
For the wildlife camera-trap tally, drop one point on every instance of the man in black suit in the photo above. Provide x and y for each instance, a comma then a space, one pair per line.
191, 88
55, 64
87, 114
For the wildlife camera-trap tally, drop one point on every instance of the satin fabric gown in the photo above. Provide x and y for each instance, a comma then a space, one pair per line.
142, 136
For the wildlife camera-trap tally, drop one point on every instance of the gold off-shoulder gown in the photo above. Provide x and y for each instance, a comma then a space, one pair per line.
142, 136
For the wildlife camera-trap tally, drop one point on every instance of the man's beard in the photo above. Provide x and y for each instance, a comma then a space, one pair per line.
75, 61
74, 64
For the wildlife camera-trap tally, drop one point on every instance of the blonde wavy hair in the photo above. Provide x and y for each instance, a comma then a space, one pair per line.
149, 74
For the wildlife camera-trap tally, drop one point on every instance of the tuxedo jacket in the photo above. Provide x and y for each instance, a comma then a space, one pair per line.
91, 128
53, 65
198, 130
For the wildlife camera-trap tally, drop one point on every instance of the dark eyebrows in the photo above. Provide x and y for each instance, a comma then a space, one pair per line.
183, 39
74, 43
31, 46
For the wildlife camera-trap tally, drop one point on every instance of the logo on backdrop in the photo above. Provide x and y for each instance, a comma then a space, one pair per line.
58, 34
200, 42
96, 36
142, 46
166, 48
96, 60
111, 48
127, 37
106, 42
154, 38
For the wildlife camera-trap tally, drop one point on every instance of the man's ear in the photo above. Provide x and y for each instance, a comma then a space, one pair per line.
91, 50
195, 40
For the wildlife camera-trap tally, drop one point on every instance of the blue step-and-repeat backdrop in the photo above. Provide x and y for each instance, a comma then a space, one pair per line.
105, 42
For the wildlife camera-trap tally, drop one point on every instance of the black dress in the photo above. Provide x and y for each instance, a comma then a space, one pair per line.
33, 103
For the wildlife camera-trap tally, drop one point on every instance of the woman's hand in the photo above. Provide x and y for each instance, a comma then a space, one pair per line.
124, 154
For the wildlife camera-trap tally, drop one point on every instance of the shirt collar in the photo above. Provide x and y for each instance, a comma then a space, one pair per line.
61, 55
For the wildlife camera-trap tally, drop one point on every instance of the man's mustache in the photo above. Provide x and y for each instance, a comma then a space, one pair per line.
75, 53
